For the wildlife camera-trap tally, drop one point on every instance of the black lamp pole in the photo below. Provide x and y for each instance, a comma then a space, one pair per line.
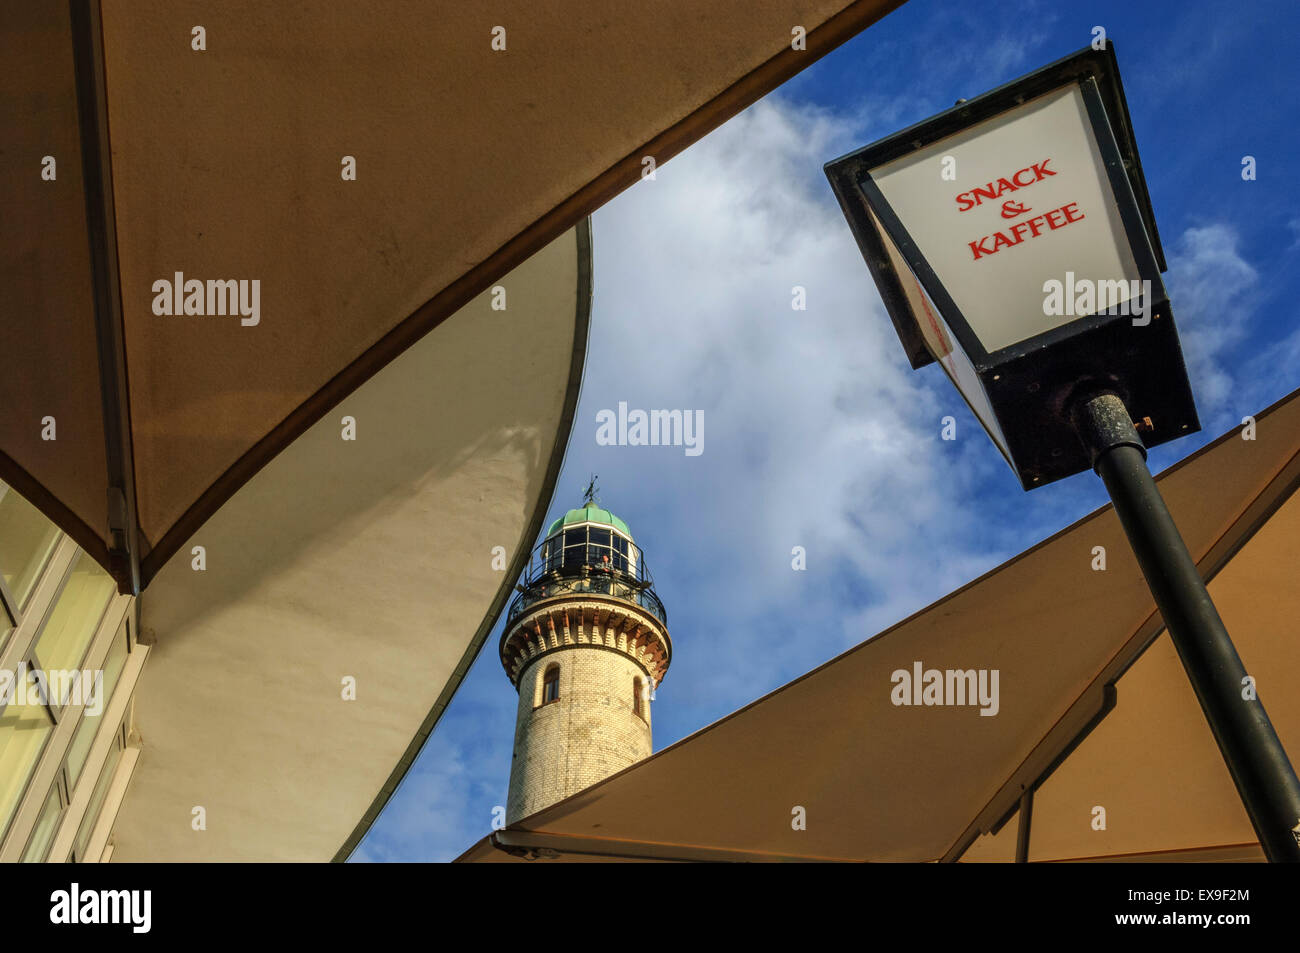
1256, 760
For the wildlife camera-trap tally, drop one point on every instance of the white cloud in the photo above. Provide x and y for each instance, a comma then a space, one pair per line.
817, 432
1211, 287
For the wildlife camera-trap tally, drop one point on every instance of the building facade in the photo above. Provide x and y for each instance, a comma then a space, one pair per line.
69, 664
585, 644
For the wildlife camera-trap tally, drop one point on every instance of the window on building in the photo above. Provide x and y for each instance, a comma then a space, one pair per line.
551, 685
71, 626
89, 725
68, 597
598, 548
91, 817
638, 697
575, 546
24, 729
26, 540
46, 824
620, 553
552, 553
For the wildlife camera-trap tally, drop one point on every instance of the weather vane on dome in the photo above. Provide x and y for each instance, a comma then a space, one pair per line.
589, 494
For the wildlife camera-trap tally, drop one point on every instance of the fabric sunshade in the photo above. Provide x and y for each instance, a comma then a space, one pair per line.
363, 563
881, 782
173, 142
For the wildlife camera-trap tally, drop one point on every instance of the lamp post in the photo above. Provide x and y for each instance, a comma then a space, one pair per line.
1013, 242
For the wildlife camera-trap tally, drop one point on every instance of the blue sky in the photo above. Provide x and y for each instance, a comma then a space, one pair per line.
817, 434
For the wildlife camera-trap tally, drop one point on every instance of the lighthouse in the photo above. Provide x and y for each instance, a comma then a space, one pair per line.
585, 644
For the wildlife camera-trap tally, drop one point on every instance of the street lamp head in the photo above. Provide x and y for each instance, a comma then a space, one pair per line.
1013, 241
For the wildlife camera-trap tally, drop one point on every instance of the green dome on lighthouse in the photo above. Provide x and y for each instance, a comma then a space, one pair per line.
589, 513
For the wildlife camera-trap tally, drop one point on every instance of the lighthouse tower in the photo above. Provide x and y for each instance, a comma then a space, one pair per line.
585, 644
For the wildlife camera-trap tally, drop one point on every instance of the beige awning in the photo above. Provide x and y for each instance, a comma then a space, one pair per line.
228, 163
372, 567
881, 782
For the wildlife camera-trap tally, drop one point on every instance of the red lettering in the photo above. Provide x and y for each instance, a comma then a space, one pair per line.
1056, 218
993, 190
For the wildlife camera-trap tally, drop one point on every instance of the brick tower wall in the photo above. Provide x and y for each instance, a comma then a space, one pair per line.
589, 733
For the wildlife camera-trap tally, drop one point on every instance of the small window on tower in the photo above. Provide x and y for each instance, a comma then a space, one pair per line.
638, 698
551, 685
